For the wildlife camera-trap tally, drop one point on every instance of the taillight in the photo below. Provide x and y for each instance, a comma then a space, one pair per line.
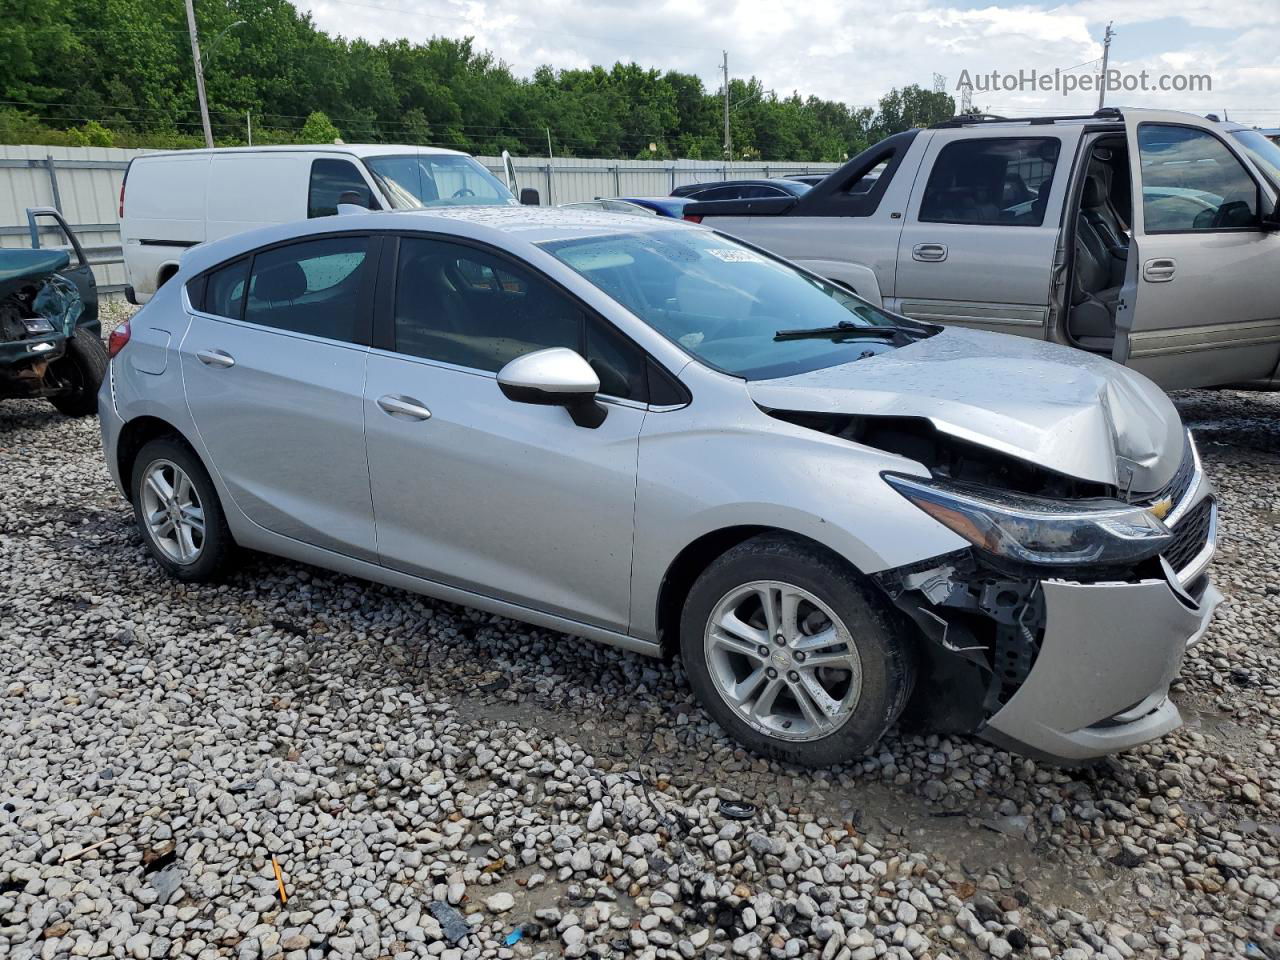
119, 337
693, 217
122, 182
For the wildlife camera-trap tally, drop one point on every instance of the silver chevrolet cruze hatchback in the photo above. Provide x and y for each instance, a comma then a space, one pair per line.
652, 435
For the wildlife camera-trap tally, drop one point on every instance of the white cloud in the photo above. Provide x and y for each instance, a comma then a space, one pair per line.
857, 50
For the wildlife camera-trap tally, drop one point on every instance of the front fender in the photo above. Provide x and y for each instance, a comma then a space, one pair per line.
702, 470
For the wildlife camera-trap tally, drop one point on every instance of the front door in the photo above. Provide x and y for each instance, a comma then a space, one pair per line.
509, 500
275, 384
981, 229
1201, 304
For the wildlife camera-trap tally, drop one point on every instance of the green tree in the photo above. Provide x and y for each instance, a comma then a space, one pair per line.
319, 129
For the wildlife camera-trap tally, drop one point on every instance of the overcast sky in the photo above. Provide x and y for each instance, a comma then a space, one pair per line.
856, 50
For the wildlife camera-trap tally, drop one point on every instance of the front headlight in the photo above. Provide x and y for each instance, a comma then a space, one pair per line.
1039, 530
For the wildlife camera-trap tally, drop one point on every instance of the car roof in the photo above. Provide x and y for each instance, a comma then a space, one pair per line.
501, 224
348, 149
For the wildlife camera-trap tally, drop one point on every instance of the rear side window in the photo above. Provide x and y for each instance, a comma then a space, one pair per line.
224, 290
997, 181
311, 287
330, 179
1192, 182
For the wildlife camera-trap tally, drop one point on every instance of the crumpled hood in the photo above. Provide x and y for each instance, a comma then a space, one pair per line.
1066, 410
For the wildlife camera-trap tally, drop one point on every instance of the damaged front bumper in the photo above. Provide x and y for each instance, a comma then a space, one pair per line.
1101, 678
1062, 668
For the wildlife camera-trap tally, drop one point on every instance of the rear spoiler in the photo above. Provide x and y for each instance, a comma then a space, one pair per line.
759, 207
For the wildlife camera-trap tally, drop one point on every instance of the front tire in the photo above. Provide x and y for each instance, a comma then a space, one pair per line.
83, 367
793, 653
178, 512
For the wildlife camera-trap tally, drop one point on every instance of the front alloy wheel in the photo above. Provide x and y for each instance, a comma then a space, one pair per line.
794, 653
783, 660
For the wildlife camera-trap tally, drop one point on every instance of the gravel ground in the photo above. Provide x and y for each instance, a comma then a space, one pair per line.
433, 781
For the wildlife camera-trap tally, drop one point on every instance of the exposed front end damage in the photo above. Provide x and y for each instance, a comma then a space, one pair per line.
1062, 665
39, 310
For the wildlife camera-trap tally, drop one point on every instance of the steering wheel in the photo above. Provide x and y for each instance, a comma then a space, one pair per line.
463, 192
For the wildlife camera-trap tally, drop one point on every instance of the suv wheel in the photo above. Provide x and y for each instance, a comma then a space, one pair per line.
792, 652
178, 512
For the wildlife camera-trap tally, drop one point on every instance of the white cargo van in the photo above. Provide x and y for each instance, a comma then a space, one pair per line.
173, 200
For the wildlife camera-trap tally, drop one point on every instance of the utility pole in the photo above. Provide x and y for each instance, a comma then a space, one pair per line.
728, 140
1106, 54
248, 125
195, 57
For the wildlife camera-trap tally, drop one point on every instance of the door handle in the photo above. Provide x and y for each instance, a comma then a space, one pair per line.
929, 252
1159, 270
404, 407
216, 358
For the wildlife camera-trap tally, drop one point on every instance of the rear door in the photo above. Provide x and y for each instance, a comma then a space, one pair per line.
981, 228
1201, 304
273, 364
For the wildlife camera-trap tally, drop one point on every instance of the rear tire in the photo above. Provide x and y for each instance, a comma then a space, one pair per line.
84, 365
178, 512
817, 681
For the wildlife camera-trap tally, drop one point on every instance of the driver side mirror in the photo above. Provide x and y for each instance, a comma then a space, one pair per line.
555, 377
529, 197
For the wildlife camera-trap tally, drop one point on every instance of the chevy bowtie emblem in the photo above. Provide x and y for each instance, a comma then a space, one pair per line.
1160, 509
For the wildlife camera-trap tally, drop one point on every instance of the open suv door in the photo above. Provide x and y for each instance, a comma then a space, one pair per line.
1200, 303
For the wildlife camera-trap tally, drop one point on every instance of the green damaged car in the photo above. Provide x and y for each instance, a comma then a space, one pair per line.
50, 336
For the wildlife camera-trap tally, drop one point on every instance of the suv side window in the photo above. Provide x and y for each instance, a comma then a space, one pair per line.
310, 287
330, 179
224, 290
1191, 182
995, 181
461, 305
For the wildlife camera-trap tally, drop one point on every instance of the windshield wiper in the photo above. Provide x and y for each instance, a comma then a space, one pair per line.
846, 329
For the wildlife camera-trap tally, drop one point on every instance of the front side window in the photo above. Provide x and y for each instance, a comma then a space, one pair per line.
997, 181
411, 181
723, 302
224, 290
311, 287
1192, 182
330, 179
461, 305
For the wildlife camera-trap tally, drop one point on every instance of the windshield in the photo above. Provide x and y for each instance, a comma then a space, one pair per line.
725, 303
435, 180
1265, 153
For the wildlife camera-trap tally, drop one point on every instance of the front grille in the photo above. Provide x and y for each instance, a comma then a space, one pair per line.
1190, 535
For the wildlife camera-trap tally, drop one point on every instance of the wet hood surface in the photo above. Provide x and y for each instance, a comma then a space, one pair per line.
1062, 409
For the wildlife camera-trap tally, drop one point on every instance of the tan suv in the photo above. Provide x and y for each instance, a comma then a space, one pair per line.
1146, 236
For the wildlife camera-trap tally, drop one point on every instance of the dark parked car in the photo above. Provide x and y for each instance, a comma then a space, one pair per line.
812, 179
50, 337
742, 189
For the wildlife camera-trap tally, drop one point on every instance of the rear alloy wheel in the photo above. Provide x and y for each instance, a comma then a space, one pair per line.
178, 512
794, 653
